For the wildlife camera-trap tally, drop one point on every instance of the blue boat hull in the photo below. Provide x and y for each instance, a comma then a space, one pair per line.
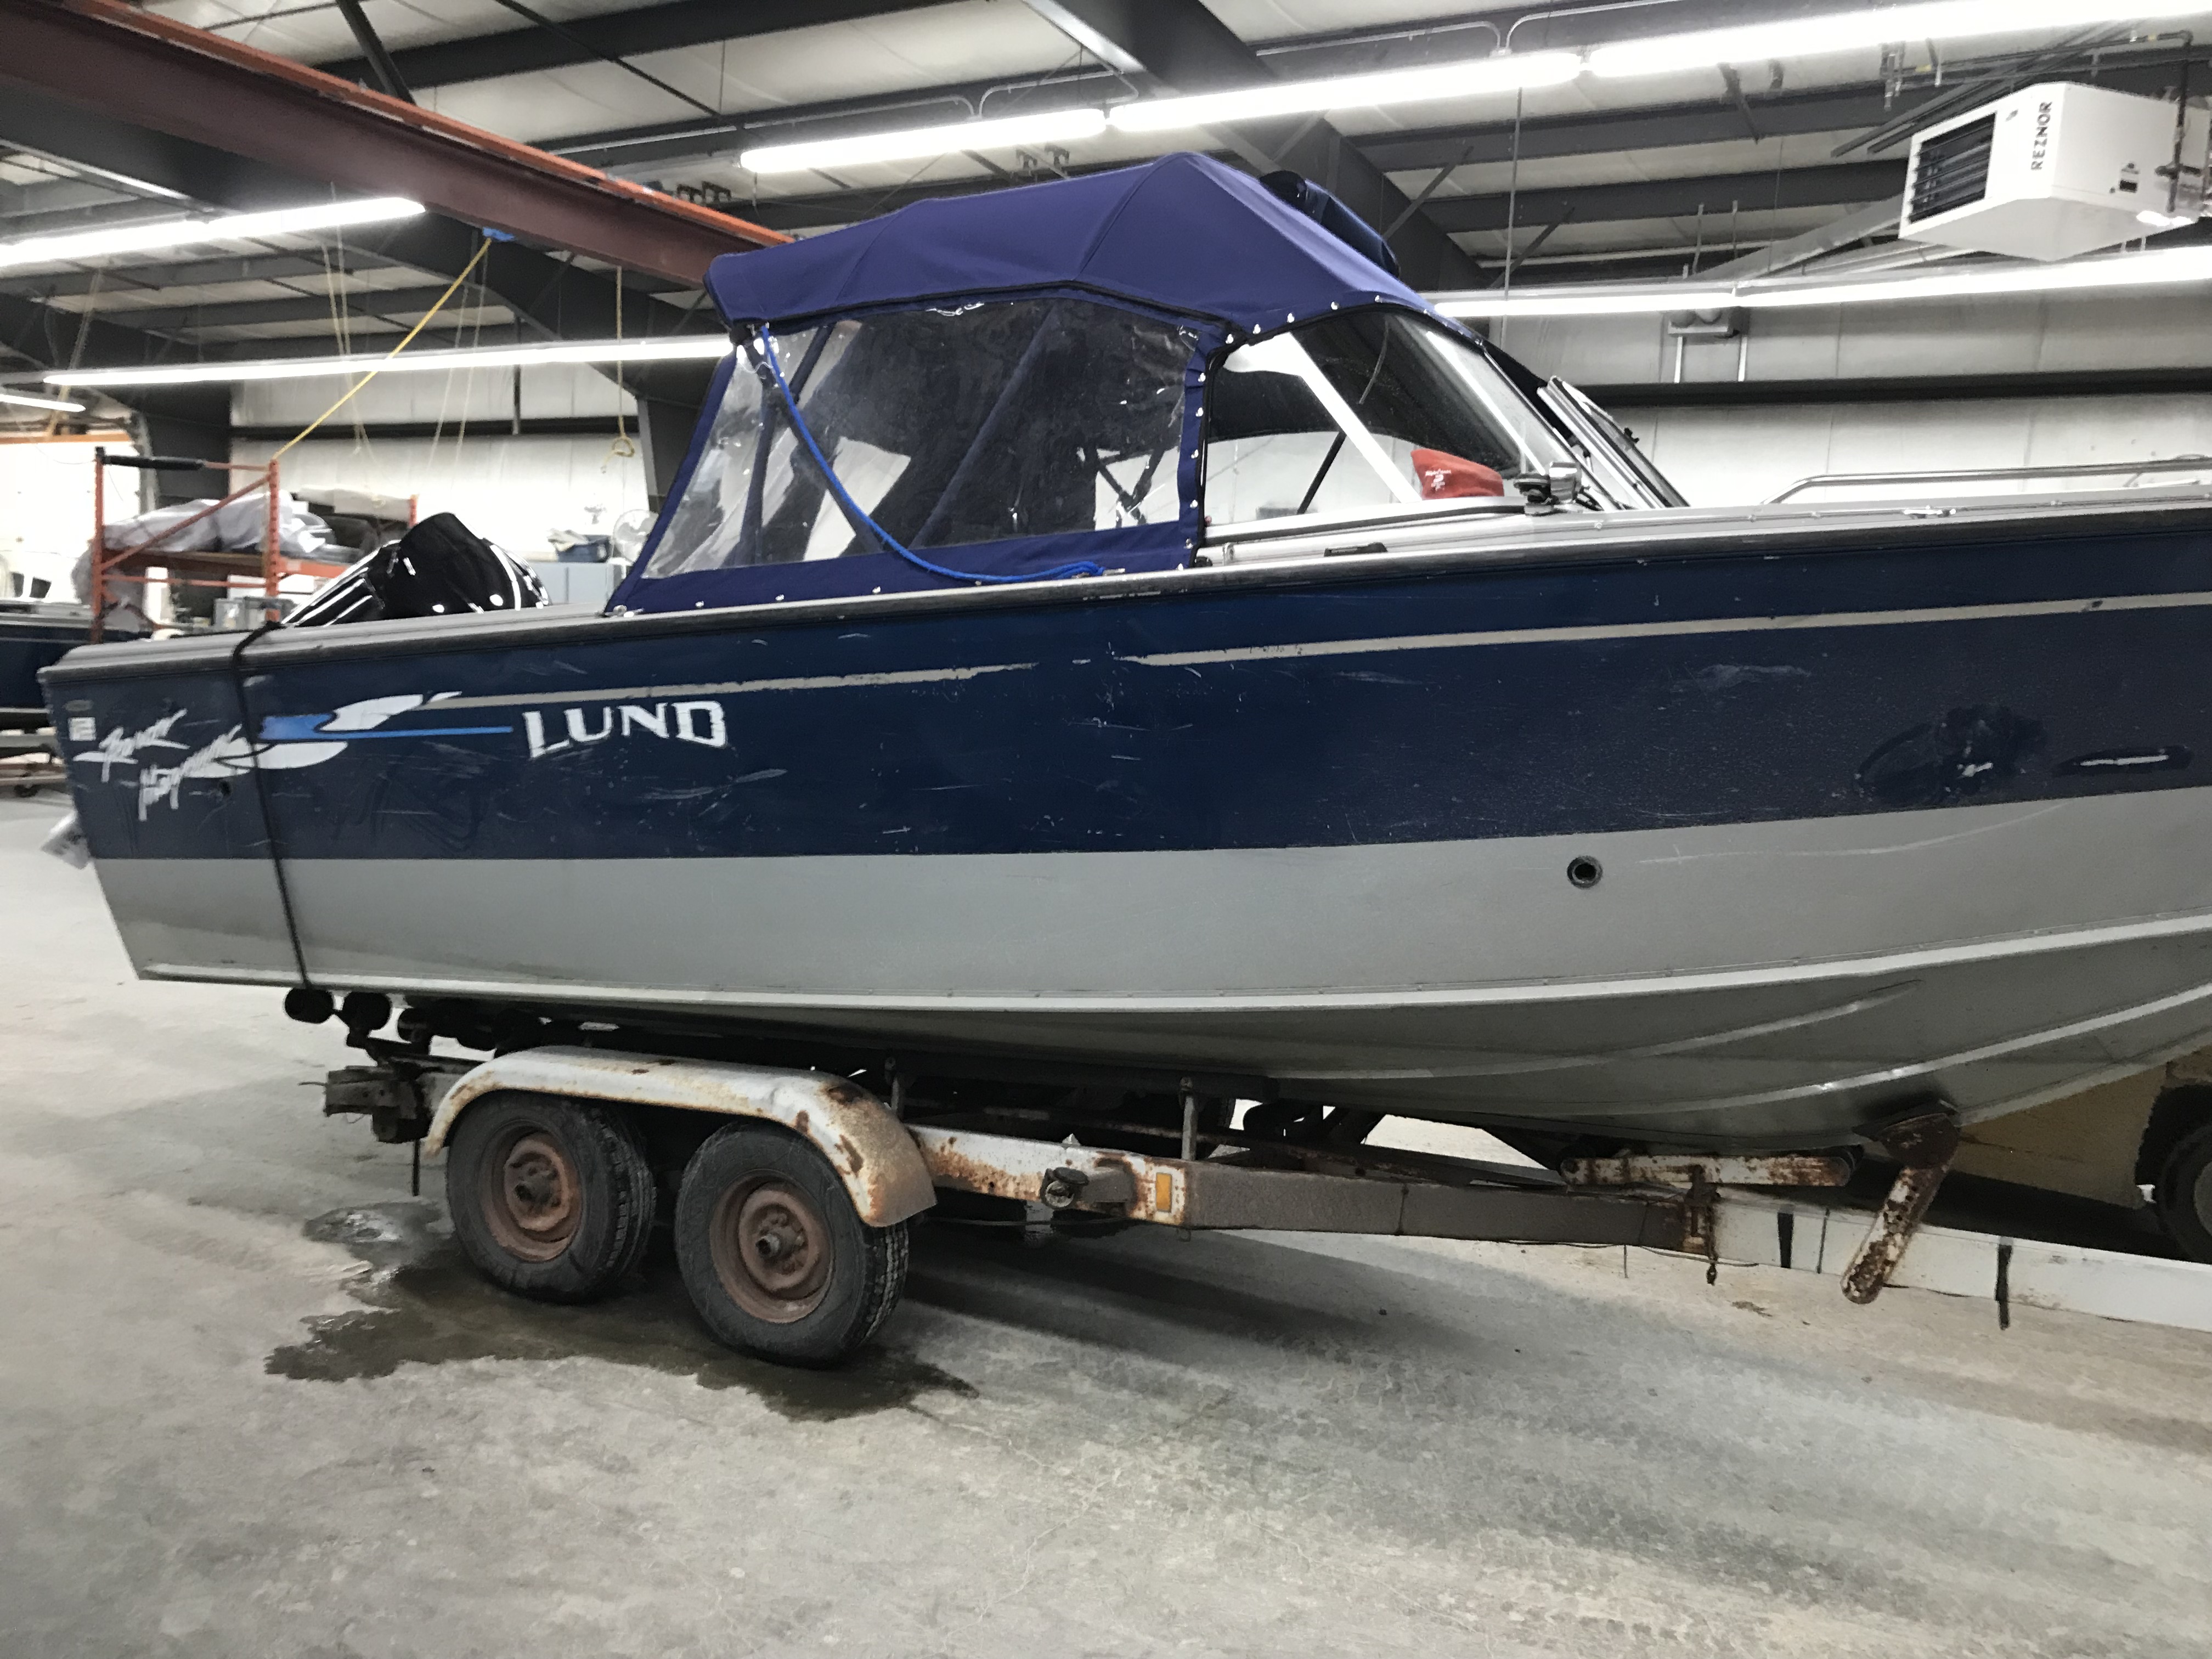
1730, 844
28, 642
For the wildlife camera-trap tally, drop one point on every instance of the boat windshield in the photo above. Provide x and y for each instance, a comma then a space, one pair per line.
974, 423
1367, 409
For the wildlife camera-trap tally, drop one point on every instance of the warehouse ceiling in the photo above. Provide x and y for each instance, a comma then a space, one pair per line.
1647, 177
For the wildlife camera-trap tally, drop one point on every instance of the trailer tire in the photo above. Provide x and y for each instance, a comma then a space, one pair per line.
777, 1260
550, 1198
2184, 1193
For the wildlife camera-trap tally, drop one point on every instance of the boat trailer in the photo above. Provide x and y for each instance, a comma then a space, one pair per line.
771, 1238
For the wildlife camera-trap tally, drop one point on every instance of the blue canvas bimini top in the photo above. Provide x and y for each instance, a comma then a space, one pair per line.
1183, 233
1172, 260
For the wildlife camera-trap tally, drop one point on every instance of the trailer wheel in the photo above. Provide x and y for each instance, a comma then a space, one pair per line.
777, 1260
2184, 1193
550, 1198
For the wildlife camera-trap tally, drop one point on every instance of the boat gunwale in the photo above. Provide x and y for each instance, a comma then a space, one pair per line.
1561, 542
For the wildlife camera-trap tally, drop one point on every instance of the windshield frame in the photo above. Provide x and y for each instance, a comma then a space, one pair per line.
1604, 483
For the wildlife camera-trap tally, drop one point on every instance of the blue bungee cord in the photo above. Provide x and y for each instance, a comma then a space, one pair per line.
1082, 568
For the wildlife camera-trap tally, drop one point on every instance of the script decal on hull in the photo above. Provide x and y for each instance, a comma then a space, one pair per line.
147, 772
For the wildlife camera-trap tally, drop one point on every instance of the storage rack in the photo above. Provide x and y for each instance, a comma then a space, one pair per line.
213, 568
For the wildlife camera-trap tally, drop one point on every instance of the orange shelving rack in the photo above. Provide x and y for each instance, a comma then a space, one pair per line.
212, 568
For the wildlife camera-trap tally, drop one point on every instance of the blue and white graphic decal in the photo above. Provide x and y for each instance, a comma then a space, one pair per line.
285, 742
294, 740
156, 763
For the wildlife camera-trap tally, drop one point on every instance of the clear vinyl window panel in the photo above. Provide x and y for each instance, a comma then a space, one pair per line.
1367, 409
947, 427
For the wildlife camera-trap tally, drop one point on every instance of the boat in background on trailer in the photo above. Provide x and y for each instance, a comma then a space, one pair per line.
34, 634
2142, 1144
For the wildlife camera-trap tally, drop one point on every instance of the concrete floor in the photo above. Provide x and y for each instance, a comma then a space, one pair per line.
250, 1404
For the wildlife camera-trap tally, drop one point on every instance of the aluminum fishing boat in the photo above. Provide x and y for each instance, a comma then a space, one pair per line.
1115, 621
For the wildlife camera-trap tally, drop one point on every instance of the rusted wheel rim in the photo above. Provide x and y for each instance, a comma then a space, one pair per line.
772, 1250
532, 1199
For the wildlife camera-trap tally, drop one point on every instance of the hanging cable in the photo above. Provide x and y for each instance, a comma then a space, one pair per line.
405, 341
438, 427
622, 449
335, 274
84, 321
766, 356
475, 326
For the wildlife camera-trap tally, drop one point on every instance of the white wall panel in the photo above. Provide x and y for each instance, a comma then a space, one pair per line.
509, 490
477, 395
45, 507
2150, 328
1720, 457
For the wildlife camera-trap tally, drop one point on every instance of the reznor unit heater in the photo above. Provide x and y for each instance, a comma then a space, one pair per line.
2053, 171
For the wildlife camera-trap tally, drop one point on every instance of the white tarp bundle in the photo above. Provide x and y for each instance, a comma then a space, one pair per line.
237, 526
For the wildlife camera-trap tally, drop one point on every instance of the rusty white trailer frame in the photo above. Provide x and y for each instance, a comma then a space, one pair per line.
890, 1170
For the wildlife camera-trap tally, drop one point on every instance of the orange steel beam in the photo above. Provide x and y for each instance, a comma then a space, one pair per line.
139, 67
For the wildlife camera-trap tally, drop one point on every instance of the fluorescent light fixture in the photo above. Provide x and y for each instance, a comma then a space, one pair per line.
1051, 127
682, 347
29, 402
1502, 72
1664, 54
2160, 267
1571, 302
159, 234
1856, 30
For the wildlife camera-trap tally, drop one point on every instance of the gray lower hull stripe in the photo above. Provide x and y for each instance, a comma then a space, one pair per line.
1739, 983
